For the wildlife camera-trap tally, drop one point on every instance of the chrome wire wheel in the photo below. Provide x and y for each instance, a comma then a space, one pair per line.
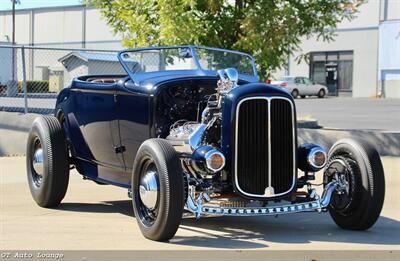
37, 163
148, 193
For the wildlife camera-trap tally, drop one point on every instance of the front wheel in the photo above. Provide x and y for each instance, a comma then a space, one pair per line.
321, 93
356, 166
295, 93
47, 162
157, 190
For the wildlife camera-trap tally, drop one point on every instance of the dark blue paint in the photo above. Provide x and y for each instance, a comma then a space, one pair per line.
100, 117
229, 110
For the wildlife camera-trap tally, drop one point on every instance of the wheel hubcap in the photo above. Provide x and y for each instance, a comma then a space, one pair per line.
148, 189
37, 161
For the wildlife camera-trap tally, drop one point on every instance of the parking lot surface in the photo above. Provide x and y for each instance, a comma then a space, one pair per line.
349, 113
94, 217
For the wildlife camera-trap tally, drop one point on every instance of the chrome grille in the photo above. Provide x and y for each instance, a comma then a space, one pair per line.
265, 147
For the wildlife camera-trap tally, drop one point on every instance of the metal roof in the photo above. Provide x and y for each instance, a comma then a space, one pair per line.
85, 56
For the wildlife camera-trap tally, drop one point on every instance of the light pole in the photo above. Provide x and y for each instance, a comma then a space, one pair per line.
13, 35
13, 21
13, 39
12, 89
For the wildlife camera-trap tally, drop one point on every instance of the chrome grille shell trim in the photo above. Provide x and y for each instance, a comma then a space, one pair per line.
270, 174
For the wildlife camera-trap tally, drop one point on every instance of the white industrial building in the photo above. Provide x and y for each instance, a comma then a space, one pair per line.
363, 58
363, 61
66, 26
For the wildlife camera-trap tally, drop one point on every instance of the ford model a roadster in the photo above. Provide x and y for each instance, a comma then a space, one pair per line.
191, 128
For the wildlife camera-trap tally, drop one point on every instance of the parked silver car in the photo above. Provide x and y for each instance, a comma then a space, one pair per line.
301, 86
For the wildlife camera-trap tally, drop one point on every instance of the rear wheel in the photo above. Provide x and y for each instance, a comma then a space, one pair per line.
321, 93
47, 162
357, 202
302, 96
157, 190
295, 93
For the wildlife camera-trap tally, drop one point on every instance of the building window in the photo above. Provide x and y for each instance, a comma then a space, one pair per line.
333, 69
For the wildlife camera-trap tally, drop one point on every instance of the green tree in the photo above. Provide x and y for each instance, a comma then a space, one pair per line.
270, 30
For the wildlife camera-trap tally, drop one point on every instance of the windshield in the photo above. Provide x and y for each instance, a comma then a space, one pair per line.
184, 58
211, 59
158, 60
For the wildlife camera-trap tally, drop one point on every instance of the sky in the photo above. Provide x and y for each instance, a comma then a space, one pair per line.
7, 4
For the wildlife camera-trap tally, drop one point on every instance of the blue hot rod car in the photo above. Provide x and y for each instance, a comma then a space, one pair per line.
191, 128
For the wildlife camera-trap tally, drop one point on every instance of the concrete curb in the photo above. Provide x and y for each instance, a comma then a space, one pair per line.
308, 124
43, 111
386, 142
14, 129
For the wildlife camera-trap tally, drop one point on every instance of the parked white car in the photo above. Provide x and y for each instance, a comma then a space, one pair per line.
301, 86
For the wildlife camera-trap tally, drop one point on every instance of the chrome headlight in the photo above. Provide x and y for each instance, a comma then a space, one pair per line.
311, 157
215, 160
208, 159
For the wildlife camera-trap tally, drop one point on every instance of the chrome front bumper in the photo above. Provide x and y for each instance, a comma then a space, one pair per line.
198, 208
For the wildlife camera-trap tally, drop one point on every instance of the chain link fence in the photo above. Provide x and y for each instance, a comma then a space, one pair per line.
32, 77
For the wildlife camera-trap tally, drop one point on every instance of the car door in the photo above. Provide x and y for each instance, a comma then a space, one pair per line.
133, 113
309, 87
298, 84
95, 114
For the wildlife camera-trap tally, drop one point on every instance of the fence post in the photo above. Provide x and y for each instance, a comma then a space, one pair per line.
24, 79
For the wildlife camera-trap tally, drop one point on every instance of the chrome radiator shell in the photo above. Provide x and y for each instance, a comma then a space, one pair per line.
270, 175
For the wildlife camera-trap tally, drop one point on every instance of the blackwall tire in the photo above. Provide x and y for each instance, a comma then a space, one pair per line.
295, 93
161, 222
321, 93
48, 182
364, 202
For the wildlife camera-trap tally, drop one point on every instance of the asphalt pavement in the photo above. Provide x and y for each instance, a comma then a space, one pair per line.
352, 113
95, 217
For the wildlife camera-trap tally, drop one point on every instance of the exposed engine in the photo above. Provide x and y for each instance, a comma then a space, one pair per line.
205, 135
201, 143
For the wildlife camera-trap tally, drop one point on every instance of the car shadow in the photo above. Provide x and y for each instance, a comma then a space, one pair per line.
291, 229
118, 206
258, 232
